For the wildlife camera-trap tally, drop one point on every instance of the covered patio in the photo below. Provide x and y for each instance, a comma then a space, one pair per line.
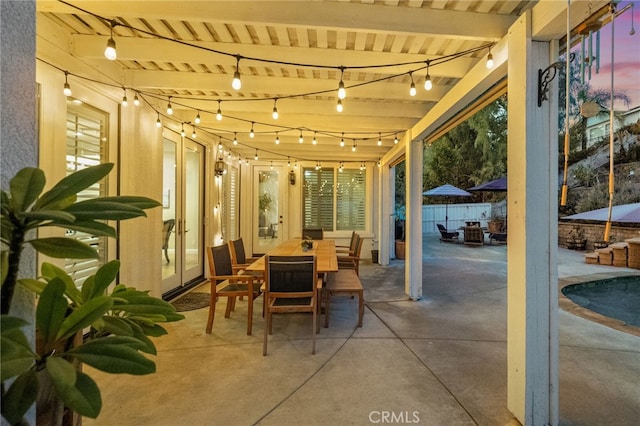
49, 44
441, 360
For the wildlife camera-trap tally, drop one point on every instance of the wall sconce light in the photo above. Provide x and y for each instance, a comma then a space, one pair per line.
219, 167
292, 177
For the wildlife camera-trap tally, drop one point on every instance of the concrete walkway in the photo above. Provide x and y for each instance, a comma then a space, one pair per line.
437, 361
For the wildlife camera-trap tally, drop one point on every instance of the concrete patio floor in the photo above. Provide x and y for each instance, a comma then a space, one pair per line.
437, 361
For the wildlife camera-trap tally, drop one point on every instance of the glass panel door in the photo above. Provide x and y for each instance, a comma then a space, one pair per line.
268, 207
193, 212
182, 214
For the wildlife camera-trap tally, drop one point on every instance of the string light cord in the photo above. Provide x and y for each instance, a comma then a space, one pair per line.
219, 134
258, 59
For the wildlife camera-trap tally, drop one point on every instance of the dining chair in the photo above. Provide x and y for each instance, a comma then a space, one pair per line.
239, 260
352, 261
167, 228
313, 233
350, 249
291, 285
226, 283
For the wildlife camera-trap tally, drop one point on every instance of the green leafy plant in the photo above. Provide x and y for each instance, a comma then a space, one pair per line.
307, 243
118, 322
401, 217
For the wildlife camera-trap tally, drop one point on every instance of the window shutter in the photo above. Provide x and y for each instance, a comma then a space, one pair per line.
318, 198
86, 146
350, 200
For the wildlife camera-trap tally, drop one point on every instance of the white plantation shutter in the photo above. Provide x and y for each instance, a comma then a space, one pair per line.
318, 199
86, 146
230, 206
347, 198
350, 200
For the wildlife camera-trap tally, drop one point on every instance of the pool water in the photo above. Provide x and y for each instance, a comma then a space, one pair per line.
617, 298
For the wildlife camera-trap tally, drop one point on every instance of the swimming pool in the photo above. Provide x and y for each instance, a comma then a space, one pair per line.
617, 297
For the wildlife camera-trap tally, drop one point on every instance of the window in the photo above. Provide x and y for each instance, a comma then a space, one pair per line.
350, 200
328, 191
86, 146
230, 207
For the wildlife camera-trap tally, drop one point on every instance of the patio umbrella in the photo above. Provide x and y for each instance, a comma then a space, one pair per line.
496, 185
623, 213
446, 190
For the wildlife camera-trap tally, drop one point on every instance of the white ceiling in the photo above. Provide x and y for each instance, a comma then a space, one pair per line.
327, 34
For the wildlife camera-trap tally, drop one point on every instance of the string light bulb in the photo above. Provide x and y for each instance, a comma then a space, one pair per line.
395, 140
295, 165
342, 140
314, 140
110, 51
412, 88
339, 106
289, 162
251, 133
169, 107
427, 82
158, 122
182, 133
124, 102
219, 112
277, 139
237, 83
197, 120
301, 138
255, 157
489, 59
274, 114
67, 89
379, 139
342, 93
235, 139
193, 133
136, 101
354, 148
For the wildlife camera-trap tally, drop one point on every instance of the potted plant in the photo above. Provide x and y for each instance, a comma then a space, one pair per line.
496, 225
401, 217
306, 244
119, 320
576, 239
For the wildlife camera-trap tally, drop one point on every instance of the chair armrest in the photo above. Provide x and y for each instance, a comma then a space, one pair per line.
232, 278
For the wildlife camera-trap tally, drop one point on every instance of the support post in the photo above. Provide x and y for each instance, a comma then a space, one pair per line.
532, 342
413, 256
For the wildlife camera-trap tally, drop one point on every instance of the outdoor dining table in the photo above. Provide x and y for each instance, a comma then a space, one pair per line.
324, 250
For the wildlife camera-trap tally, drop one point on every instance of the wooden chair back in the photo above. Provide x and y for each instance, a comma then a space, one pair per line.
313, 233
236, 248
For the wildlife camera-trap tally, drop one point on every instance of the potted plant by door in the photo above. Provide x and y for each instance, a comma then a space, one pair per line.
119, 319
576, 239
400, 214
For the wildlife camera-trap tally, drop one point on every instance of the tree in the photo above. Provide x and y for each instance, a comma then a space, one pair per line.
472, 152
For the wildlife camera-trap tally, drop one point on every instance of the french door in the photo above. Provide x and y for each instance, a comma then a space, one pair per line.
183, 212
269, 226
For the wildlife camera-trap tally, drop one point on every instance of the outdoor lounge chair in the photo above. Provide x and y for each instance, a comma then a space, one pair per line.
447, 236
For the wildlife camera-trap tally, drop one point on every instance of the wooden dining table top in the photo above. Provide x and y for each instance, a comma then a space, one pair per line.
324, 250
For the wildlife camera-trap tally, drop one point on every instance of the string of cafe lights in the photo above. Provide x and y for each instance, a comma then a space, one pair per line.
236, 83
223, 151
111, 54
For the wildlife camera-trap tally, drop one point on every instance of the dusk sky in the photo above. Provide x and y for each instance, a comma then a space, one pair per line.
626, 56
